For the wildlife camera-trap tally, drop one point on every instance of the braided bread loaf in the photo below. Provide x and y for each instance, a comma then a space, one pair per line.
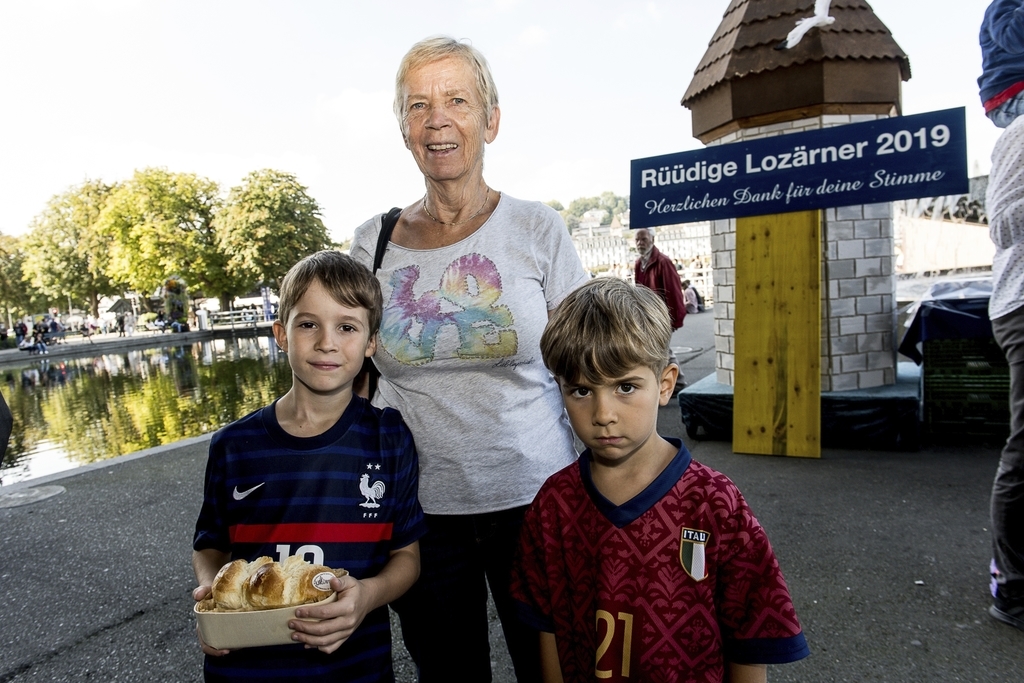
265, 584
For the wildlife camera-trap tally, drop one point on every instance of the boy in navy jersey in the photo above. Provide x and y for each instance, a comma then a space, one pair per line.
321, 474
637, 563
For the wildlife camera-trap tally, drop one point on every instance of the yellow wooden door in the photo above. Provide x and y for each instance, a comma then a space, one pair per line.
777, 375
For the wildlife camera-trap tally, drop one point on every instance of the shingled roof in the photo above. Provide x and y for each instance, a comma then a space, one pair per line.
745, 41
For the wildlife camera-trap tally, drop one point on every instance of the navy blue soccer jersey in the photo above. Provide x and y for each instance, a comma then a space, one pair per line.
345, 498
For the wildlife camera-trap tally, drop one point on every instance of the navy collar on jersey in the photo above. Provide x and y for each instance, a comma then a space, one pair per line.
268, 415
621, 515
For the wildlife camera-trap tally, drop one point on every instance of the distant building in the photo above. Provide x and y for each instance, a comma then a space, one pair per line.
593, 218
610, 250
943, 235
601, 247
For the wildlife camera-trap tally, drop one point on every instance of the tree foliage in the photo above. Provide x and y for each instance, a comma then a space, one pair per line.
16, 294
65, 255
268, 224
96, 239
161, 224
613, 205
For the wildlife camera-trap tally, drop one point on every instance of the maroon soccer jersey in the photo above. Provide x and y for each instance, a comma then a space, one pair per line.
667, 587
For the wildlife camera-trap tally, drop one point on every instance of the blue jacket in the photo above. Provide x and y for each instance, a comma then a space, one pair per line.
1002, 47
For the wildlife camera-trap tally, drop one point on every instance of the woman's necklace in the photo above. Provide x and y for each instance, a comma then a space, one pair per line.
455, 223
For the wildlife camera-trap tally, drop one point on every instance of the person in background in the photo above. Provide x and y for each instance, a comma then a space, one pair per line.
469, 277
655, 271
690, 297
6, 423
1001, 84
1001, 87
57, 331
1005, 205
39, 339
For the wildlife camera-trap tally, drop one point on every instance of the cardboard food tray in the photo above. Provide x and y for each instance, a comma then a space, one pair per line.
235, 630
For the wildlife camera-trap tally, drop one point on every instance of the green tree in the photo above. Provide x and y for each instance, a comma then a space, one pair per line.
65, 256
580, 206
612, 203
556, 205
15, 292
268, 224
161, 224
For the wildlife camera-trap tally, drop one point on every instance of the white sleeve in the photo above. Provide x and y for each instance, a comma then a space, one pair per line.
364, 242
1004, 198
563, 270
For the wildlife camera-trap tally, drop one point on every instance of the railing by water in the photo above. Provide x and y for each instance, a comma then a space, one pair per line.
74, 411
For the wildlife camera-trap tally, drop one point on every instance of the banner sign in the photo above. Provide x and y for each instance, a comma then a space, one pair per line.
903, 157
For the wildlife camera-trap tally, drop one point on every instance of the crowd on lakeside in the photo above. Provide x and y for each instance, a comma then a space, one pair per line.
35, 334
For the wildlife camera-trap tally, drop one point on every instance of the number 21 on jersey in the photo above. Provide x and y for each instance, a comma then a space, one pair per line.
611, 630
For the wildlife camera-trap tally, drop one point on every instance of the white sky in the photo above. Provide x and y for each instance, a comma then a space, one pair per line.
98, 88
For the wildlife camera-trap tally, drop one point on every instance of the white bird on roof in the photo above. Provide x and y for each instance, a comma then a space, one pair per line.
820, 18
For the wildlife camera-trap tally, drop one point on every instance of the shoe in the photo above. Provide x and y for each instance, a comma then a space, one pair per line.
1009, 613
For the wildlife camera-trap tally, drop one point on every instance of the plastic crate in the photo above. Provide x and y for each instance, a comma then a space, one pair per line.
965, 388
963, 357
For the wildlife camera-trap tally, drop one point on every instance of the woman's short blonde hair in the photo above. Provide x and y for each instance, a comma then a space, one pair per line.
437, 48
604, 329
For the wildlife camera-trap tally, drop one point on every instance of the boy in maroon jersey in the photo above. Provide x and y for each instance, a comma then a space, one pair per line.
637, 563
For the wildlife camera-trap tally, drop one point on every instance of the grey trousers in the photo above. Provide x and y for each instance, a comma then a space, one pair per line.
1008, 487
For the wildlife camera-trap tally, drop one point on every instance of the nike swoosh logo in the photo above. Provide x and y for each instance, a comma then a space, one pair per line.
239, 495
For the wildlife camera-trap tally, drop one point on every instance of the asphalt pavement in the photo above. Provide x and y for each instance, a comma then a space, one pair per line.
886, 556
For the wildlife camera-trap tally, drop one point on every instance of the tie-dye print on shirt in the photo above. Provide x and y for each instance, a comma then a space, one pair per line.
466, 298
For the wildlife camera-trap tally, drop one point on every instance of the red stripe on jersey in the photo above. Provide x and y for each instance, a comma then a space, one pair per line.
310, 533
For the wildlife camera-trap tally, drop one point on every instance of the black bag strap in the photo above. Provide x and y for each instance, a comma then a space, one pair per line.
387, 226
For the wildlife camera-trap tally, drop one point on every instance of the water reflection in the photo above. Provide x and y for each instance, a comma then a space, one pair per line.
77, 411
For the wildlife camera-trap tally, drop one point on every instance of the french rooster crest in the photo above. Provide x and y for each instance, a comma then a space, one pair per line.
370, 492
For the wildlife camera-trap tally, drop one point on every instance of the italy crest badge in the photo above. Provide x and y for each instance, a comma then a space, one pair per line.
691, 552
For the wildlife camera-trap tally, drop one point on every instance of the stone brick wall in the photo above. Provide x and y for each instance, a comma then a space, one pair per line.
858, 294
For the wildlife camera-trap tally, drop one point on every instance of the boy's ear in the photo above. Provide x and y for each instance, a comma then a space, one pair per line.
667, 383
280, 335
371, 346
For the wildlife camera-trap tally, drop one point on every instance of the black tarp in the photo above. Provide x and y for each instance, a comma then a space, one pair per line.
879, 418
952, 309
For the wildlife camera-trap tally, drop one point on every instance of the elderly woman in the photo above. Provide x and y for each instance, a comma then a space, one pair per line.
469, 277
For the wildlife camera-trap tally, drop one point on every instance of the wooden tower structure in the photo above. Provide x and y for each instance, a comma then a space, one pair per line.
804, 302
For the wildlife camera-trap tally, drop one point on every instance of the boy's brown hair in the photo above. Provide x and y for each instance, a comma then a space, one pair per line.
604, 329
348, 282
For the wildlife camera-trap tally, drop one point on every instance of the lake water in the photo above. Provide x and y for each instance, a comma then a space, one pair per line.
77, 411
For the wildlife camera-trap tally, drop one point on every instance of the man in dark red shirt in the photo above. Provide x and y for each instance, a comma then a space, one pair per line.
656, 271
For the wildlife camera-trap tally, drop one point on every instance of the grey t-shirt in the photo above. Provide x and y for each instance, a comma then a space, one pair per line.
459, 354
